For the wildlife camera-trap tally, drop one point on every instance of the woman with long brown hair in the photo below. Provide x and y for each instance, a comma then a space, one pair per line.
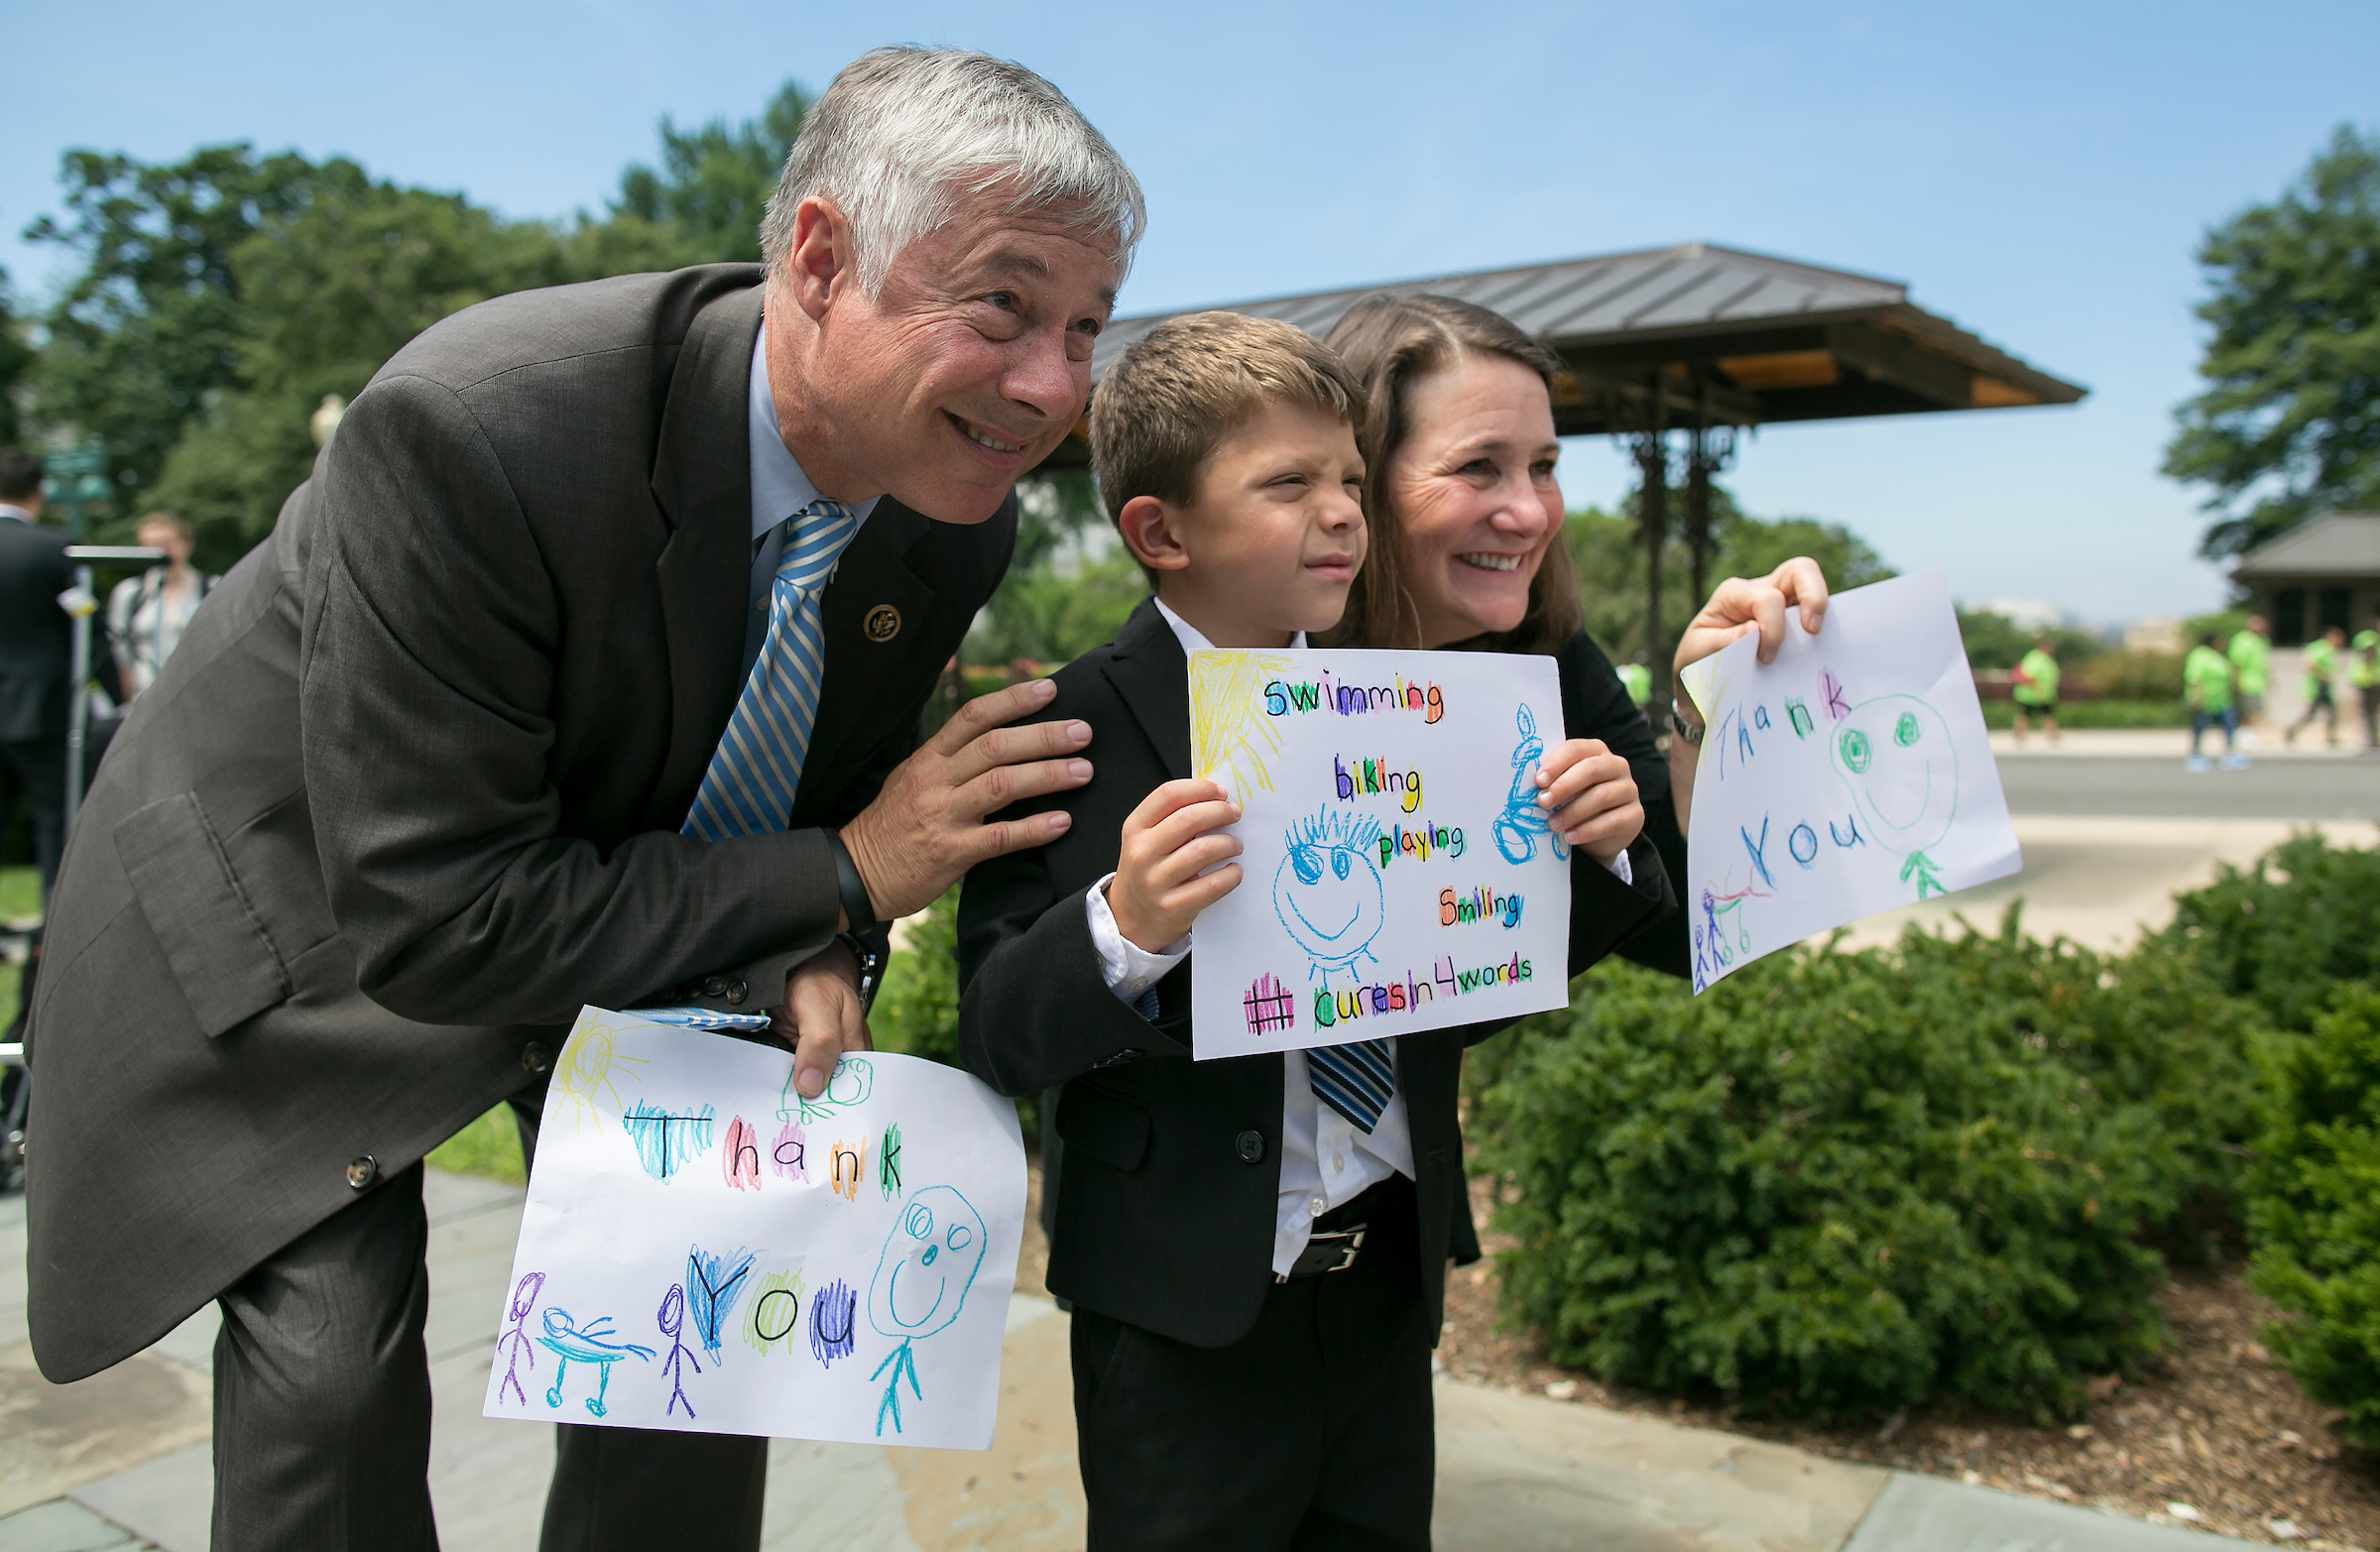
1465, 518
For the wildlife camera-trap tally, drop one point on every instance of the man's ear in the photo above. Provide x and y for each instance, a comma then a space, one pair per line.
1148, 529
818, 261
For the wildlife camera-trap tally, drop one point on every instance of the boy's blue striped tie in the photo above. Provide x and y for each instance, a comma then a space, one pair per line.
1356, 1080
749, 788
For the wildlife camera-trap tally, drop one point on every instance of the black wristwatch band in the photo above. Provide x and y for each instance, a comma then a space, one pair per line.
849, 888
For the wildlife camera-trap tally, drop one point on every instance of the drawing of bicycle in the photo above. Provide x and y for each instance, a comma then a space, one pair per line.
1522, 822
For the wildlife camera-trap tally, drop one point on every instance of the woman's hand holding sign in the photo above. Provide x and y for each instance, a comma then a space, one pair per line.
1589, 798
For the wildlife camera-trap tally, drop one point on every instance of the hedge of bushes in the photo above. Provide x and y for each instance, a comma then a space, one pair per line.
1954, 1170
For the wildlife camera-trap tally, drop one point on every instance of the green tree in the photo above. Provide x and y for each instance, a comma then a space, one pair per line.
16, 354
714, 182
2290, 422
148, 334
328, 292
1067, 589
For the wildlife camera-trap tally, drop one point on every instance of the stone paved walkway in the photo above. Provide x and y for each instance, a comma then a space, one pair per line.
121, 1461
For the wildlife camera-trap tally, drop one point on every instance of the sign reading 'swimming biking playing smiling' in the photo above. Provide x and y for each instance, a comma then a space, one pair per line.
1399, 875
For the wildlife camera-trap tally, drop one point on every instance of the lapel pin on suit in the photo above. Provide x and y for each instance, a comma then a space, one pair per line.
883, 623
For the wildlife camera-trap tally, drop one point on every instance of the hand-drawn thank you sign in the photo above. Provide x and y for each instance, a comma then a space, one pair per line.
1397, 875
1849, 776
705, 1250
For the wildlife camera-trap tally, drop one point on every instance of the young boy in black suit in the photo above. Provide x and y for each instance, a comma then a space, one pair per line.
1256, 1267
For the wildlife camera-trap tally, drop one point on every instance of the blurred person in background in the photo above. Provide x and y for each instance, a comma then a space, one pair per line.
2363, 672
35, 652
2321, 668
2207, 679
2251, 653
2036, 690
147, 614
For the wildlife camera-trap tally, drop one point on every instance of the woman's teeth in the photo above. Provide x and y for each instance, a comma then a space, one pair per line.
1487, 563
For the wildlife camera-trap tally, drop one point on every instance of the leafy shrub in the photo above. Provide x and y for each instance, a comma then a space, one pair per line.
2284, 931
2000, 715
917, 1011
2313, 1210
1839, 1184
2134, 674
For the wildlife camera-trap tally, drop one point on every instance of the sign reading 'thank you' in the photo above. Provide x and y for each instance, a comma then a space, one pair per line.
1399, 875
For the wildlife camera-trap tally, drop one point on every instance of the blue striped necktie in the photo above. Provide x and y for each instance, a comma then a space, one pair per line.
749, 788
1356, 1080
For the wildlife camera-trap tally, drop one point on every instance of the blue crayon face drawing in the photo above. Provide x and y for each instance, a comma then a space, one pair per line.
1327, 890
1894, 755
928, 1262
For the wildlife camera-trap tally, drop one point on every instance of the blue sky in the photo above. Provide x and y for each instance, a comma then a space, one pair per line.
2040, 173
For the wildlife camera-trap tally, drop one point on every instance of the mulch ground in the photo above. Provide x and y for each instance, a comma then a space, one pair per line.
2219, 1438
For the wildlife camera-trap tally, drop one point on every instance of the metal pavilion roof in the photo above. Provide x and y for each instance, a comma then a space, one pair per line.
1697, 332
2337, 544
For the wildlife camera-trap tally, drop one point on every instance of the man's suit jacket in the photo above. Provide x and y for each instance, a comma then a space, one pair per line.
36, 640
409, 793
1171, 1167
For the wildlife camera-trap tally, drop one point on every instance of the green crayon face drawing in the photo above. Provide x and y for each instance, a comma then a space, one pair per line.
1894, 755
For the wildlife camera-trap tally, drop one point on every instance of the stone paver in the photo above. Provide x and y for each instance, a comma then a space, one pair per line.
63, 1526
1928, 1514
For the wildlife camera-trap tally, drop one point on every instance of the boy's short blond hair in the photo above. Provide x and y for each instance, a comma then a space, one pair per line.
1181, 389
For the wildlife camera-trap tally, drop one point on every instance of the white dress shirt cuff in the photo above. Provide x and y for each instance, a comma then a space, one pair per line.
1128, 969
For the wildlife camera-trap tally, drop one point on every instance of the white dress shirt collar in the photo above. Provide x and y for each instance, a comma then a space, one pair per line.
778, 487
1195, 639
9, 509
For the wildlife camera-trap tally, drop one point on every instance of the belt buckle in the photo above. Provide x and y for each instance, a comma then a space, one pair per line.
1344, 1243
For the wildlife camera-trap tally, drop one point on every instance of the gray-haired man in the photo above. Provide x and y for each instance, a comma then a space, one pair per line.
582, 570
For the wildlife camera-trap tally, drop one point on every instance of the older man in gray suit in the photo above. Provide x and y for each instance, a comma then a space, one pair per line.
585, 669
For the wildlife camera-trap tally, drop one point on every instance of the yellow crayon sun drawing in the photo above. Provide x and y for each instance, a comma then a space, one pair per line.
585, 1070
1231, 738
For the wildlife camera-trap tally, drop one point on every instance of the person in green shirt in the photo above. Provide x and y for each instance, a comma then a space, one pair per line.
1637, 680
2207, 683
2251, 654
2321, 668
2036, 690
2363, 672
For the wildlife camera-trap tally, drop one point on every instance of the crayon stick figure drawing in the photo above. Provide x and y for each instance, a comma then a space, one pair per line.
928, 1263
1523, 822
666, 1141
516, 1346
589, 1343
713, 1285
833, 1314
1894, 753
1236, 740
587, 1068
671, 1318
1327, 890
852, 1081
776, 1313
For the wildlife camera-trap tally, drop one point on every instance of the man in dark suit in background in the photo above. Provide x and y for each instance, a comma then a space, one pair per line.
36, 648
586, 669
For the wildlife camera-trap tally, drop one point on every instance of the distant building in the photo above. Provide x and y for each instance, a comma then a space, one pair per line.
2320, 574
2026, 614
2153, 633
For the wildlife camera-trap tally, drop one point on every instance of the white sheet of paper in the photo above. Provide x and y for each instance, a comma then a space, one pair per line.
1398, 874
704, 1249
1849, 776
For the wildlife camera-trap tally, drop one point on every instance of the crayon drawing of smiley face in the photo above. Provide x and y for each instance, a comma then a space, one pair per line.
1894, 753
1327, 890
928, 1263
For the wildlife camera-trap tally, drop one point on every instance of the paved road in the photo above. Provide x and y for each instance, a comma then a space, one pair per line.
2162, 790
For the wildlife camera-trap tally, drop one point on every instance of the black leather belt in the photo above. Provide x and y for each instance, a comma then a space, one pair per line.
1333, 1250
